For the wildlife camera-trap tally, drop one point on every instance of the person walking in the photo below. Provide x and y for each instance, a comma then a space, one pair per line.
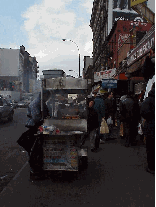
130, 116
147, 111
110, 107
99, 106
93, 125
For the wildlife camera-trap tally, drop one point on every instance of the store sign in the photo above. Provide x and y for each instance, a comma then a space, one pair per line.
141, 50
106, 74
109, 83
135, 2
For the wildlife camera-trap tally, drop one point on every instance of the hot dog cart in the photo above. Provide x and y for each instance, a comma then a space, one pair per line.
66, 127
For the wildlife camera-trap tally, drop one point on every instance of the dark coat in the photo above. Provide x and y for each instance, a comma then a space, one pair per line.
147, 111
129, 110
92, 119
110, 107
99, 106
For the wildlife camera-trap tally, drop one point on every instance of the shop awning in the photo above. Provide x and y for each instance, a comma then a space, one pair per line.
121, 76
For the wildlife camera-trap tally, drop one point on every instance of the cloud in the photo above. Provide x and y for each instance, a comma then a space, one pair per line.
88, 5
47, 24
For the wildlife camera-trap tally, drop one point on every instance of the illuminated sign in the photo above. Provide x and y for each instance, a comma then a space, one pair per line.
109, 83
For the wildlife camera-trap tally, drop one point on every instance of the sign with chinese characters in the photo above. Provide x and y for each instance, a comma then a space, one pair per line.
109, 83
106, 74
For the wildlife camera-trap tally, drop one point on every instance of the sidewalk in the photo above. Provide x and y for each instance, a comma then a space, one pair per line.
115, 176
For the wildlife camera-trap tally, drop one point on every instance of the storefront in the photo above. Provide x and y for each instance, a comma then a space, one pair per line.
136, 59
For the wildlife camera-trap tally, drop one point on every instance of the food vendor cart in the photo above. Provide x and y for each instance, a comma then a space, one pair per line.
66, 127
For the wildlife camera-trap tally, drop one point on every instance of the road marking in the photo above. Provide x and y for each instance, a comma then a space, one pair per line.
14, 151
20, 170
14, 178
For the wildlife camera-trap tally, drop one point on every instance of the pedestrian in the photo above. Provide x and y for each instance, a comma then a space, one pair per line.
110, 107
28, 139
99, 106
92, 124
130, 116
147, 111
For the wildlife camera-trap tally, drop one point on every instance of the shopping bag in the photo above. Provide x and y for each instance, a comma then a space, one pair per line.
104, 127
140, 129
121, 129
109, 121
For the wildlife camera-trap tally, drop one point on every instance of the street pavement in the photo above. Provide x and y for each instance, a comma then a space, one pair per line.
115, 176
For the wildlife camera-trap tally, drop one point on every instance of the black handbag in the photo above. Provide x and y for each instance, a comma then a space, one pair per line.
27, 140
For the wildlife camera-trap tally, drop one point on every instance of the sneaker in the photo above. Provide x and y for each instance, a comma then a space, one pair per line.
102, 141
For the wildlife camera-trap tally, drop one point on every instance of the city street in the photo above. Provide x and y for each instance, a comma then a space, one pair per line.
115, 175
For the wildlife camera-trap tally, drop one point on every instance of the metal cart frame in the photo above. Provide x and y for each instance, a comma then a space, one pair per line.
63, 151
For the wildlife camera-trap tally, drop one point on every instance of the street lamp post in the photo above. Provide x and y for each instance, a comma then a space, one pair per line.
78, 52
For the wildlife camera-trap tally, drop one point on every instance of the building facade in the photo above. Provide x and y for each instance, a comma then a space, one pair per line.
17, 68
99, 26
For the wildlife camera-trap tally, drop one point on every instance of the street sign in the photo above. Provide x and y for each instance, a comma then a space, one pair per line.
135, 2
109, 83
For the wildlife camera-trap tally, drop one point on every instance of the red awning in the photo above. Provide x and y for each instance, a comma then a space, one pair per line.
121, 76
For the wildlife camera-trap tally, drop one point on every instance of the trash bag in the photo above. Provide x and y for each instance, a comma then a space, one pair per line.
104, 127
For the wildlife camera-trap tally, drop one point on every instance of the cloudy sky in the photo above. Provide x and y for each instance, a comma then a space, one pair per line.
40, 25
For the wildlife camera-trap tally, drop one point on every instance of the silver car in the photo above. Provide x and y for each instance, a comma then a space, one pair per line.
6, 110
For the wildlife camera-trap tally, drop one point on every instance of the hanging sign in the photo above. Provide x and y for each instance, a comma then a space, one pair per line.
106, 74
109, 83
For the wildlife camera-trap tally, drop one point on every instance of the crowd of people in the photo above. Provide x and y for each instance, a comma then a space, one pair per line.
133, 110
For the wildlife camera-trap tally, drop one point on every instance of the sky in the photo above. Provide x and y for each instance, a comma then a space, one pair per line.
40, 25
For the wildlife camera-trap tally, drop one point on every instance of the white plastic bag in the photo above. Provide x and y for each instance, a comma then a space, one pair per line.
140, 129
109, 121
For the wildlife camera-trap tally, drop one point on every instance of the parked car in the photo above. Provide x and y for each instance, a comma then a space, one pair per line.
12, 103
6, 110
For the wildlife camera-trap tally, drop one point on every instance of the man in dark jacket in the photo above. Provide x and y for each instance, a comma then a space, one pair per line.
147, 111
99, 106
93, 125
130, 116
34, 121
